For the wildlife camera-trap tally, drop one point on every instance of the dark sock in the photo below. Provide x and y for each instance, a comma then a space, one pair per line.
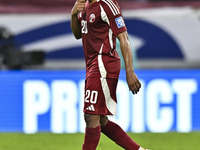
92, 136
117, 134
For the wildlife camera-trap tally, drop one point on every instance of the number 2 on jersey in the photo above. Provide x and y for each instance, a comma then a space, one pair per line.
91, 96
84, 26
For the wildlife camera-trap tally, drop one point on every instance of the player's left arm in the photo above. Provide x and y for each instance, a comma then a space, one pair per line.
132, 79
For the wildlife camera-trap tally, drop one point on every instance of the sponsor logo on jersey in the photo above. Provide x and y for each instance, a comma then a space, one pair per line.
120, 22
92, 18
91, 108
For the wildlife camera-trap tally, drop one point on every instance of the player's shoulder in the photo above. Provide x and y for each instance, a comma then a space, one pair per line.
110, 6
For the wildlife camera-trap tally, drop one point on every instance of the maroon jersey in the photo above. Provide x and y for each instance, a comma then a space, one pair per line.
101, 22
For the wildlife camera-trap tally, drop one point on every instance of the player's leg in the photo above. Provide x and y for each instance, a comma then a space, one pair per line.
111, 129
117, 134
93, 105
92, 120
92, 132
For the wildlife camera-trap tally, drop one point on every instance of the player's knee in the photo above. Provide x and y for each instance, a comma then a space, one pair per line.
91, 120
103, 121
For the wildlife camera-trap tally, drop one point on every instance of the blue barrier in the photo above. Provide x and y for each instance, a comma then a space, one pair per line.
52, 101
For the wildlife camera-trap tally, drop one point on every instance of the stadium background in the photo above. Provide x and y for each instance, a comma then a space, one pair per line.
43, 93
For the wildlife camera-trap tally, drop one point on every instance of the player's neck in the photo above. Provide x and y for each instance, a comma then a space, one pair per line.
92, 1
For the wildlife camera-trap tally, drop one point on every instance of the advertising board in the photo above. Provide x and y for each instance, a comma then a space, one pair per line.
52, 101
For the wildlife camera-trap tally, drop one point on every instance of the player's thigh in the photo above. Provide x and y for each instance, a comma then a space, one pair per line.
98, 94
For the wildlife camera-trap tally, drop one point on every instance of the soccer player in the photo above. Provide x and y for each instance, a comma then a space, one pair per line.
98, 23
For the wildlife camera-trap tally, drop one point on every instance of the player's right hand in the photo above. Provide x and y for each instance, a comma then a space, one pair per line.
133, 82
78, 7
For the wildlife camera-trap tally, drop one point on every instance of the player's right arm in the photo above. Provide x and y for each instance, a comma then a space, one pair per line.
75, 23
132, 79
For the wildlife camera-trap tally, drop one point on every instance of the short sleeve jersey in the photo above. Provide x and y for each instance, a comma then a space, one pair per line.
101, 22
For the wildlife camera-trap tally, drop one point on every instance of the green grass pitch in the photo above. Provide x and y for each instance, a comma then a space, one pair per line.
49, 141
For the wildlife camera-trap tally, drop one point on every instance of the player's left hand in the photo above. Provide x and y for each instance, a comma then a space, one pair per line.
133, 82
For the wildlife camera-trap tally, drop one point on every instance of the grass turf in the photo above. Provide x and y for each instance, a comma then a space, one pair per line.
49, 141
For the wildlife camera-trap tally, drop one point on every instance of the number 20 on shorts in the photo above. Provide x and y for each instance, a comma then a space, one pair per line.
91, 96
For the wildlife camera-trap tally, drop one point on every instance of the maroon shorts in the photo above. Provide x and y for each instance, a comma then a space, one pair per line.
100, 96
